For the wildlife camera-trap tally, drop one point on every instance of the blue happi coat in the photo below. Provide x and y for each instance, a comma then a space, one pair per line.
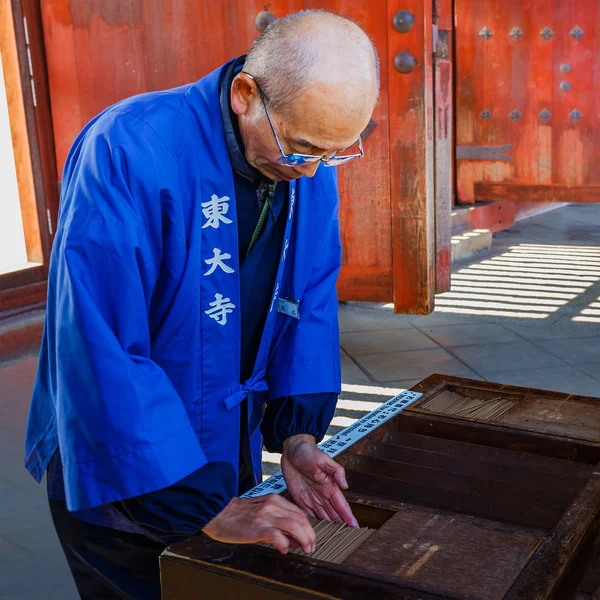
139, 382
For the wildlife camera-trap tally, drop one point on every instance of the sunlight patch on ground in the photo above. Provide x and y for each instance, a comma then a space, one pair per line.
529, 281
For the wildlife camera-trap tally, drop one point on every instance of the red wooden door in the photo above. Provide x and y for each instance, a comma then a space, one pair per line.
101, 52
528, 122
365, 203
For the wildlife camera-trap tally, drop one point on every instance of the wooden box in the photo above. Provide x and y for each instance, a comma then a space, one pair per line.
478, 491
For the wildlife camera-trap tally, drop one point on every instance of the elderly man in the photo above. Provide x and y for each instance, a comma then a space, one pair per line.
192, 310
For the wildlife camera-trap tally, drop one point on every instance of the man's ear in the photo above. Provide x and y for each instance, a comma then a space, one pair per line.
243, 93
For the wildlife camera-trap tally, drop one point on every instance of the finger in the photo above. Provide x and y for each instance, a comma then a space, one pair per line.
280, 507
340, 504
322, 514
322, 499
309, 512
276, 538
340, 477
336, 472
319, 501
293, 544
313, 503
305, 536
306, 508
332, 512
288, 508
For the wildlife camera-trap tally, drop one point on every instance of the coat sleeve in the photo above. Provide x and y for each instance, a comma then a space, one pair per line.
292, 415
123, 429
175, 513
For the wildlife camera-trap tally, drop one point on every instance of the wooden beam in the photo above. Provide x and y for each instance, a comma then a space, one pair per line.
26, 295
31, 273
537, 193
495, 216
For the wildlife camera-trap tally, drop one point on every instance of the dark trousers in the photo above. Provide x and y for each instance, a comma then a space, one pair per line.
108, 564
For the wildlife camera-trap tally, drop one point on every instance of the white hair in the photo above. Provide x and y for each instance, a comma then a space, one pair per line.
310, 46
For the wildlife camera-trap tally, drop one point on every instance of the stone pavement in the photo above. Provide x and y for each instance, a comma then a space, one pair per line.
525, 313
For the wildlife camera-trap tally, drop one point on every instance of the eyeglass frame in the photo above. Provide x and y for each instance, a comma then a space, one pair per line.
305, 159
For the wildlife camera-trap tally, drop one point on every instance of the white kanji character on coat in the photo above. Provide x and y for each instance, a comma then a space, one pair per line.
220, 308
215, 210
218, 260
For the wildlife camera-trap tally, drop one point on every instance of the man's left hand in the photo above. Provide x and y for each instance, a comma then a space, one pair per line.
314, 480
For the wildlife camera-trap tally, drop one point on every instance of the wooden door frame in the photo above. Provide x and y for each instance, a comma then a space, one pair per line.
445, 171
34, 142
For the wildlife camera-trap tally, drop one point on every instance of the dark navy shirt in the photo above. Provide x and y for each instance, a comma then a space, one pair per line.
181, 510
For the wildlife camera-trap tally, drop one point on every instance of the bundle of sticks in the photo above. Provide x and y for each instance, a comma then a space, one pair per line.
335, 542
451, 403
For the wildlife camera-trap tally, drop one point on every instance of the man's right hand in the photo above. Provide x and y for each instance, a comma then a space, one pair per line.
269, 518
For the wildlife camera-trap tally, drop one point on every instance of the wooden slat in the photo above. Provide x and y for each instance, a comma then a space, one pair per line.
411, 147
468, 484
450, 500
537, 193
529, 477
543, 464
500, 437
469, 466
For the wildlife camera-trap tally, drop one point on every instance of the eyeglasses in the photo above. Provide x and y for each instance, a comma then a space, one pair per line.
296, 159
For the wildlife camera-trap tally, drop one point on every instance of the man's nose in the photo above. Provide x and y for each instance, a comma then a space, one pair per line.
309, 169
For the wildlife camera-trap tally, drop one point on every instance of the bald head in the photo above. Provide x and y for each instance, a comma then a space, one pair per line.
319, 77
316, 50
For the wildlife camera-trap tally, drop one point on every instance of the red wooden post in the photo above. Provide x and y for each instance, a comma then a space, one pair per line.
444, 143
412, 160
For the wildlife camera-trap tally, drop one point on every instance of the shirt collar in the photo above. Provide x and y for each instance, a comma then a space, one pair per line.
235, 145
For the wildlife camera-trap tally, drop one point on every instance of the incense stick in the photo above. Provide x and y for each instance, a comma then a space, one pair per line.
451, 403
335, 542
